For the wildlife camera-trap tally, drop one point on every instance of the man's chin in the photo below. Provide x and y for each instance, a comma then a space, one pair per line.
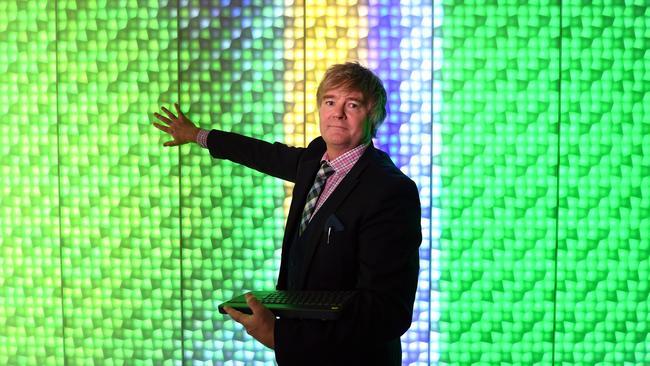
335, 141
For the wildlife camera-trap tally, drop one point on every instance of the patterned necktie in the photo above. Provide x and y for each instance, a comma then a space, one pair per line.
315, 191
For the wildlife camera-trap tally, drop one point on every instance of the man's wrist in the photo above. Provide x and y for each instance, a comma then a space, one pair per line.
202, 138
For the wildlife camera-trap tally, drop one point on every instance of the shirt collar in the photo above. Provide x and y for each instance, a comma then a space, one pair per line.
346, 161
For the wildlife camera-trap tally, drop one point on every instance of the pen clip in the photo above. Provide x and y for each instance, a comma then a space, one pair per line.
329, 231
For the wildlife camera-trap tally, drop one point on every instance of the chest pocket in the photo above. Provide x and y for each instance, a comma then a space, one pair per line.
333, 228
331, 261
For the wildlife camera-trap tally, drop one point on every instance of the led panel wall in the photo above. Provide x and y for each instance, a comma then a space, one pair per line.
31, 319
233, 217
400, 50
499, 182
119, 207
603, 300
524, 125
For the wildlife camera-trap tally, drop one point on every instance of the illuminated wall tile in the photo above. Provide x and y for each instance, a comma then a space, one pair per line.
119, 213
31, 321
604, 226
434, 226
499, 158
232, 79
294, 83
294, 77
400, 52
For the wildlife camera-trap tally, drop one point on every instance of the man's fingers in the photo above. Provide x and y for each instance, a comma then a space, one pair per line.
254, 304
168, 113
171, 143
178, 110
237, 316
162, 128
163, 118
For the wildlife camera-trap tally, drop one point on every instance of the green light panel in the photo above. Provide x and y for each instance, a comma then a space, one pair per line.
499, 155
233, 218
119, 188
30, 262
603, 281
100, 226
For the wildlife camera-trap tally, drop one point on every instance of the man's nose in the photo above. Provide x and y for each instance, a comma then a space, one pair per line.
339, 111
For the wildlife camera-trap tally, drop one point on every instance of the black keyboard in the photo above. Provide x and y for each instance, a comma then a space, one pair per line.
326, 305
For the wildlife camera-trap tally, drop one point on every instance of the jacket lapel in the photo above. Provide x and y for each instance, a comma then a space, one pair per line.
307, 170
338, 196
300, 190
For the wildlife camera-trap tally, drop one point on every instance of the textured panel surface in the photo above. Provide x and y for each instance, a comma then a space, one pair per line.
119, 217
233, 219
603, 302
31, 322
499, 158
400, 50
101, 227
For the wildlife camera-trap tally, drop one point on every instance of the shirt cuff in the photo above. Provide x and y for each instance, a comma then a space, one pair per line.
202, 138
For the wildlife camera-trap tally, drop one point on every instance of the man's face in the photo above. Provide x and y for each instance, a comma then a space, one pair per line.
343, 120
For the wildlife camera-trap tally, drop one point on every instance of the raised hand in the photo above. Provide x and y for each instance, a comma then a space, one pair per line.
180, 128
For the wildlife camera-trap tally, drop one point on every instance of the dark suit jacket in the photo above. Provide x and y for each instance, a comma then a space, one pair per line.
374, 214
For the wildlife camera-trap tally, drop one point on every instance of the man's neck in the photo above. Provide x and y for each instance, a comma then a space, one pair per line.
334, 152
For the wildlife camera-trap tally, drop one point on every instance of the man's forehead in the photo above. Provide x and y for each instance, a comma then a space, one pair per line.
343, 92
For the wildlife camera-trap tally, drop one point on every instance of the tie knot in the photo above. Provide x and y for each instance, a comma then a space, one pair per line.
325, 170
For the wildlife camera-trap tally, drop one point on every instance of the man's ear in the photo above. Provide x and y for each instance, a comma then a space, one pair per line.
369, 131
371, 126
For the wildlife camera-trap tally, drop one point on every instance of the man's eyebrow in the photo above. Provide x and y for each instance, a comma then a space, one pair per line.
330, 96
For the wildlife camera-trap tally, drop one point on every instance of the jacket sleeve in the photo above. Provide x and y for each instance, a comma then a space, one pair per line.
389, 236
274, 159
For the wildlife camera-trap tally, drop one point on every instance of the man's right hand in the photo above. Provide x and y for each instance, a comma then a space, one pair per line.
180, 128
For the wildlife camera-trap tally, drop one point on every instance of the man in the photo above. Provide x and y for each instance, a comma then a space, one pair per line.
354, 224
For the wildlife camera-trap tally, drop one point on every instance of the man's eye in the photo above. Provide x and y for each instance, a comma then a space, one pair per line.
353, 105
329, 102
